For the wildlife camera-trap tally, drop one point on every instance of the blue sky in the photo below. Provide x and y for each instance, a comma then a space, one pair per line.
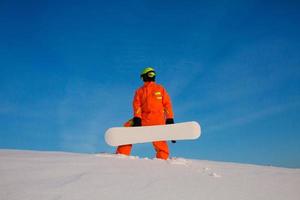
68, 71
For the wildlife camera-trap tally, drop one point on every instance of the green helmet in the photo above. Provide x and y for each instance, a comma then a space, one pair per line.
149, 71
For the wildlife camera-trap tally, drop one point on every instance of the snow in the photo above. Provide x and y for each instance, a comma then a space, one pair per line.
32, 175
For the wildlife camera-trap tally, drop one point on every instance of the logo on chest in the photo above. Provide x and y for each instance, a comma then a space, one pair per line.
158, 95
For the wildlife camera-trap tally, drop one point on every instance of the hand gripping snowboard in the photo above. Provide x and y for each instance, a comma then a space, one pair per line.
132, 135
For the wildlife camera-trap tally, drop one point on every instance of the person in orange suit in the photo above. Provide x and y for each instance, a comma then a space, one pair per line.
152, 106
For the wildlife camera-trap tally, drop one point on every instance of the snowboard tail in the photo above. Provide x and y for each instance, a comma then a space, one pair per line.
117, 136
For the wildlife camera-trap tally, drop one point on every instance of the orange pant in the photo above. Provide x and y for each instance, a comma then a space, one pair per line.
161, 148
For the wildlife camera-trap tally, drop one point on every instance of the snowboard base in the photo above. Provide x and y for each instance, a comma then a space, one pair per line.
117, 136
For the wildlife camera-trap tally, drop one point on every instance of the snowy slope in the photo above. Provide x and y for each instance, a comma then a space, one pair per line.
29, 175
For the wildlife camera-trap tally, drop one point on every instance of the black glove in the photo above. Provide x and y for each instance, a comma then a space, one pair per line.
137, 121
170, 121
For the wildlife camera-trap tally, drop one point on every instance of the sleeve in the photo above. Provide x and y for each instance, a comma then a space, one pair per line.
129, 123
137, 105
167, 104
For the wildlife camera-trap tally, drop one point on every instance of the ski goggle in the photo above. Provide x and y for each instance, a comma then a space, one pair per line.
151, 74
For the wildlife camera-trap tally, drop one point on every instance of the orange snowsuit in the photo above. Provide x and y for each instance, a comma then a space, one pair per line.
153, 105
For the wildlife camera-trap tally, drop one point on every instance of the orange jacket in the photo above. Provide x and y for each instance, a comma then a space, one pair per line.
153, 104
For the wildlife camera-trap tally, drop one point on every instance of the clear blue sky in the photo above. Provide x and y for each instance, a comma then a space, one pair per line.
68, 71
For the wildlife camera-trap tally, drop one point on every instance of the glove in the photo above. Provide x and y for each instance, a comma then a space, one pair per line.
137, 121
170, 121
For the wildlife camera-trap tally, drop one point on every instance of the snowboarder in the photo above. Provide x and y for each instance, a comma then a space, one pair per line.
152, 106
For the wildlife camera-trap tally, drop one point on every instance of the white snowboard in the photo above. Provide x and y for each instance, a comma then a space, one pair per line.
131, 135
